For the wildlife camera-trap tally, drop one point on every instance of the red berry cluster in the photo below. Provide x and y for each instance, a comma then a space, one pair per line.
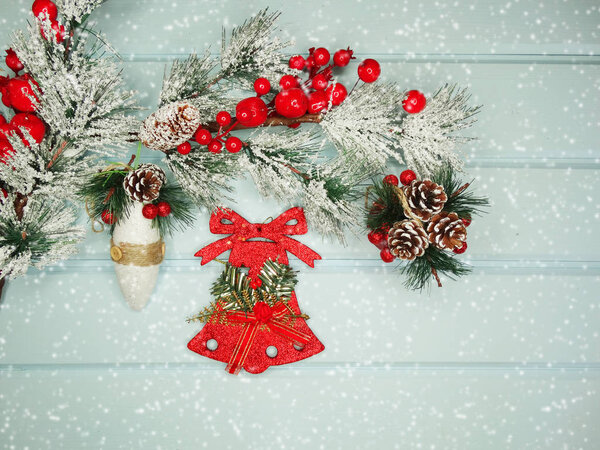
215, 144
19, 94
150, 211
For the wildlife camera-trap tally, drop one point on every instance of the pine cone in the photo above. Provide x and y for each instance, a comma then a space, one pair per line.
447, 231
407, 239
425, 198
144, 183
170, 126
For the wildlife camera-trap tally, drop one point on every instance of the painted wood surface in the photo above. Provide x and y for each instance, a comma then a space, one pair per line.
506, 358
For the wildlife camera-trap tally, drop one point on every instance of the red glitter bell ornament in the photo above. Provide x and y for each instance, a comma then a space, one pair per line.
13, 62
32, 123
251, 112
243, 340
369, 70
291, 103
414, 102
337, 93
44, 9
21, 94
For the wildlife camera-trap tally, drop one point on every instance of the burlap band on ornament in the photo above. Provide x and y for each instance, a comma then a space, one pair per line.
140, 255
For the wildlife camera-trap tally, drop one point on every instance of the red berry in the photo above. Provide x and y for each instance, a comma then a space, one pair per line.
164, 209
291, 103
407, 177
7, 130
184, 148
255, 283
44, 8
337, 93
321, 56
288, 82
320, 82
233, 144
262, 86
203, 136
378, 238
223, 118
391, 179
108, 217
13, 62
4, 91
150, 211
32, 123
414, 102
342, 57
2, 120
466, 221
461, 250
386, 255
317, 102
297, 62
6, 150
369, 70
4, 192
309, 63
251, 112
21, 93
215, 146
59, 31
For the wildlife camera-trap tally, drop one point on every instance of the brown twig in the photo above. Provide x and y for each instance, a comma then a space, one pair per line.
111, 191
274, 121
20, 203
460, 189
56, 155
437, 278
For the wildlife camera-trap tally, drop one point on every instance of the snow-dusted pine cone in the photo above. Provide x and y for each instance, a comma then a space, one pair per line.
407, 239
447, 231
425, 198
144, 183
170, 126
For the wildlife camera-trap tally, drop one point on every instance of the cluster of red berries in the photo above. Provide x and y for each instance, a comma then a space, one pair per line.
149, 211
215, 144
19, 93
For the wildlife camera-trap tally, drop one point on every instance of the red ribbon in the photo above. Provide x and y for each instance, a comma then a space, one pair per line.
253, 254
262, 314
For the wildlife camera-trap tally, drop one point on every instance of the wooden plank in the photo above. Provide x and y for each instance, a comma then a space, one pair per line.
488, 27
366, 318
556, 200
76, 409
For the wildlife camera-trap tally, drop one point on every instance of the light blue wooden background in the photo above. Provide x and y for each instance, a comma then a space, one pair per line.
507, 358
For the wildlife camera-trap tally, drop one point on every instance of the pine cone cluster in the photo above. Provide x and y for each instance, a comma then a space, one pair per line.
144, 183
425, 198
170, 126
407, 239
447, 231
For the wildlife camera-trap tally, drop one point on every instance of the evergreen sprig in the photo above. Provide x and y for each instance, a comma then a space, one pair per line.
384, 208
233, 291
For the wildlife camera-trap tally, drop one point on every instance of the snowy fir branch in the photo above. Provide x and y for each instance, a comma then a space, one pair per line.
76, 110
43, 235
340, 146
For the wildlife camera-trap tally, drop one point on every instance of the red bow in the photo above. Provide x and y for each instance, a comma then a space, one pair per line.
253, 253
262, 314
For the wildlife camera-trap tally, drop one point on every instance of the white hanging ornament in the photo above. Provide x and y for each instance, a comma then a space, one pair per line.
137, 251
